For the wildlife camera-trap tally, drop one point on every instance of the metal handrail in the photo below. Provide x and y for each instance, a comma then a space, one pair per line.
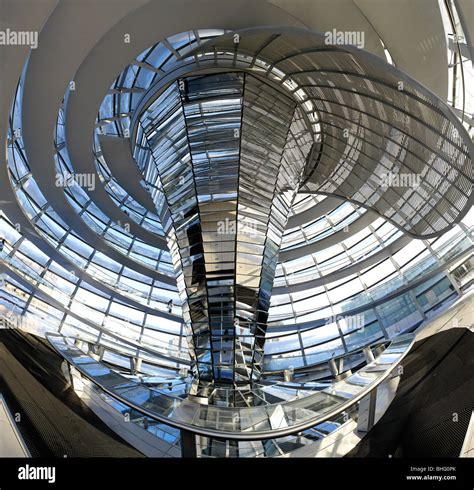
299, 414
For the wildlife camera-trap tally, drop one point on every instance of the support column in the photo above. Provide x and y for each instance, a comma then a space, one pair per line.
188, 444
228, 158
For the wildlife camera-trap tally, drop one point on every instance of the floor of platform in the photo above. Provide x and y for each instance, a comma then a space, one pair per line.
53, 420
430, 414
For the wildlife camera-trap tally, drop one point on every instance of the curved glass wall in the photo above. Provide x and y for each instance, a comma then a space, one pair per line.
367, 287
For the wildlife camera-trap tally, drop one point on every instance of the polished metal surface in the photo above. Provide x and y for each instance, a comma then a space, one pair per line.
223, 156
